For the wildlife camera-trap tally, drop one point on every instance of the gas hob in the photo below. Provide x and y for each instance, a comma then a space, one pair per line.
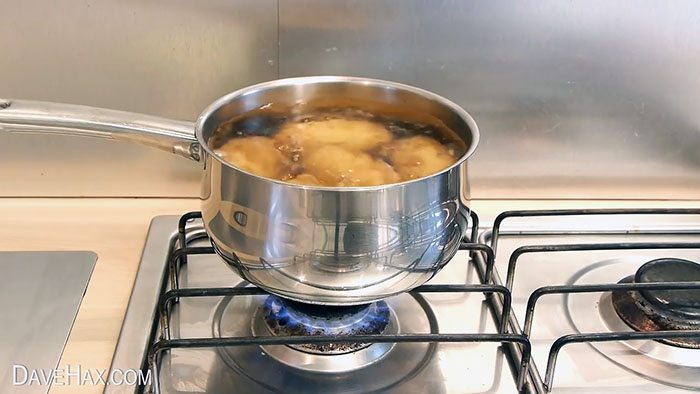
577, 301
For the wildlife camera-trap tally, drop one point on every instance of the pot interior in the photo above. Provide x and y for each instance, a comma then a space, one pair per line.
263, 108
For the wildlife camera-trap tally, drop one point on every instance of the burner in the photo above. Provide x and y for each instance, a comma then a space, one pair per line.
381, 367
654, 310
285, 317
594, 312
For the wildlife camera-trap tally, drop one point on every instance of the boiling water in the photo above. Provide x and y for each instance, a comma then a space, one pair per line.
403, 150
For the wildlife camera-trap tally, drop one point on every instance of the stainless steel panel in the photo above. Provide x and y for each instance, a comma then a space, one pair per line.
166, 58
39, 298
576, 99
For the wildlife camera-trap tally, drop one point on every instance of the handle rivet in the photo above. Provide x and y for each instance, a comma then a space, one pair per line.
5, 103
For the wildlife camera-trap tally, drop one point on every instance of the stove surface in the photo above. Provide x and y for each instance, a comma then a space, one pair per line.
406, 367
602, 367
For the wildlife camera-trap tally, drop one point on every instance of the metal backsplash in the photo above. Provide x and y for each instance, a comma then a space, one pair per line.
162, 57
582, 99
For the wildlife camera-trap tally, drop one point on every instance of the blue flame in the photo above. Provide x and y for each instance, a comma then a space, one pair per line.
303, 319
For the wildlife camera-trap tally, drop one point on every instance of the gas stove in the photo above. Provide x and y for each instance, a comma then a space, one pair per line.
576, 301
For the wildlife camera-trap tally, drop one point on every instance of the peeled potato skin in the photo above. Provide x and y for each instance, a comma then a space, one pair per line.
419, 156
255, 154
335, 166
354, 135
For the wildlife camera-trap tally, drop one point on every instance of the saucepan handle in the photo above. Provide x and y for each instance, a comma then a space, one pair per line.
24, 116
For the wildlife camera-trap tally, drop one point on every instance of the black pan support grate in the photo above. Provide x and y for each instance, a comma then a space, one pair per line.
173, 292
487, 261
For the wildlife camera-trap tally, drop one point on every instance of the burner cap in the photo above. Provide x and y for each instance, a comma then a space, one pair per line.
684, 303
655, 310
285, 317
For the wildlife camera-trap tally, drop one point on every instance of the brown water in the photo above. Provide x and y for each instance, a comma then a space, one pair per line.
335, 147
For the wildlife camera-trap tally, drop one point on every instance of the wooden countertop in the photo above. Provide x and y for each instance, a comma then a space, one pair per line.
116, 230
113, 228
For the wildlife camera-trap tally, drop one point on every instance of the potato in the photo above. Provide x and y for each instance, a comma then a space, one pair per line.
333, 165
419, 156
354, 135
257, 155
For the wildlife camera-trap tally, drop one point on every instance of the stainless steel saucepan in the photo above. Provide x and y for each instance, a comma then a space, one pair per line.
325, 245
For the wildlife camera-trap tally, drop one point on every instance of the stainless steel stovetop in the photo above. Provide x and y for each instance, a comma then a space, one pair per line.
446, 335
